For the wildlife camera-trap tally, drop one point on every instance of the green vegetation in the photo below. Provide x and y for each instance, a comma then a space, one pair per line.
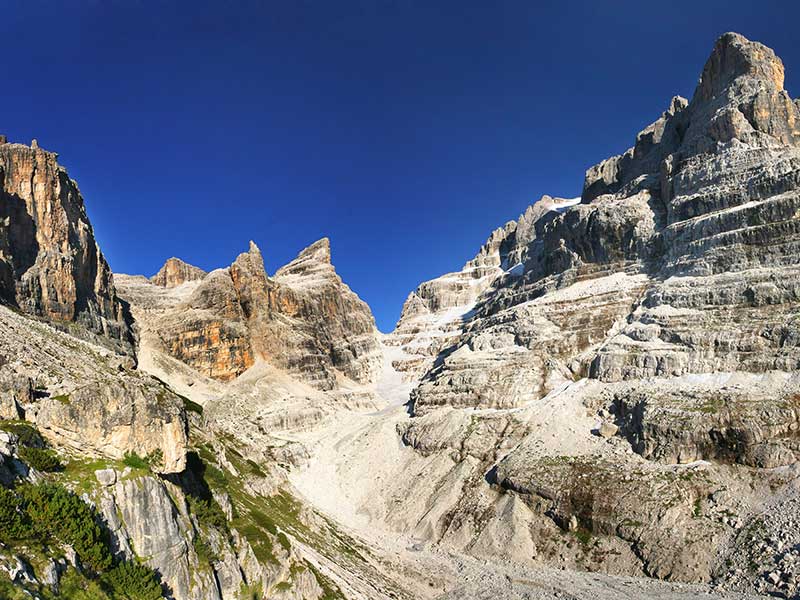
134, 461
329, 589
132, 581
583, 535
35, 516
63, 398
250, 592
55, 513
208, 512
41, 459
204, 551
191, 406
26, 433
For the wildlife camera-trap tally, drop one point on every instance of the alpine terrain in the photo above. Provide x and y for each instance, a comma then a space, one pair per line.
603, 403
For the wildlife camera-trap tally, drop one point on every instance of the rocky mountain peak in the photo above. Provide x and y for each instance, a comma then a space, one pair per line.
315, 258
735, 56
176, 272
740, 100
319, 251
50, 264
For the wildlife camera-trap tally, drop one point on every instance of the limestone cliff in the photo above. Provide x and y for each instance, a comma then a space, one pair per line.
175, 272
630, 376
693, 226
303, 320
50, 264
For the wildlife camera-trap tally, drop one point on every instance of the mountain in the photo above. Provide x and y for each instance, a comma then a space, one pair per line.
603, 403
636, 379
50, 264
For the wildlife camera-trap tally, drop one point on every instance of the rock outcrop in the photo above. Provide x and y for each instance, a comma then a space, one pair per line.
303, 320
50, 264
700, 217
652, 325
176, 272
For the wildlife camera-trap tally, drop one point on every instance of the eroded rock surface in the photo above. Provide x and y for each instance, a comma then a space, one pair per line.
50, 264
303, 320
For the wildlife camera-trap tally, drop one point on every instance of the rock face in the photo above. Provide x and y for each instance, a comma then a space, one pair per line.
303, 320
695, 225
651, 325
50, 265
175, 272
87, 398
433, 314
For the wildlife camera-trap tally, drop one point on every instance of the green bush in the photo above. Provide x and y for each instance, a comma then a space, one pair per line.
132, 581
57, 513
208, 512
134, 461
40, 459
14, 523
27, 434
204, 551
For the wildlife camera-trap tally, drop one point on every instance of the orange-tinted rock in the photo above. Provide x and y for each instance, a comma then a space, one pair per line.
50, 264
305, 320
175, 272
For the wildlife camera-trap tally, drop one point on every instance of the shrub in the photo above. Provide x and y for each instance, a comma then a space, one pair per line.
14, 524
55, 512
27, 434
132, 581
40, 459
208, 512
204, 551
135, 461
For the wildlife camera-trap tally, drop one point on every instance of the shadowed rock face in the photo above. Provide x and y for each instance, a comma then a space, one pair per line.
50, 265
304, 320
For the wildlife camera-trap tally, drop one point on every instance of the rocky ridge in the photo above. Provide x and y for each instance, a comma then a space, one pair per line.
303, 320
619, 321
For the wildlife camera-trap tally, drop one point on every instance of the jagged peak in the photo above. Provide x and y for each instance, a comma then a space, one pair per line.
251, 260
319, 251
735, 56
315, 258
175, 271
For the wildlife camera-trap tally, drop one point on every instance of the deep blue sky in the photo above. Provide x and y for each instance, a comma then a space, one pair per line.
405, 131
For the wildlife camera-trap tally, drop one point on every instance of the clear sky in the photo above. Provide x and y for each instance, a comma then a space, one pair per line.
405, 131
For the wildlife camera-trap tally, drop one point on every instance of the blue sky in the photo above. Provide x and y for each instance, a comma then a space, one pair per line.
405, 131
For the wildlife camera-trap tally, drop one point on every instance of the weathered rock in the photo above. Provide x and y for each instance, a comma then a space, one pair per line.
304, 320
50, 264
106, 477
16, 390
132, 416
176, 272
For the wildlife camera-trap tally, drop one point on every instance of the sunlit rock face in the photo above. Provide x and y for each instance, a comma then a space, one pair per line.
303, 320
628, 368
176, 272
694, 228
50, 264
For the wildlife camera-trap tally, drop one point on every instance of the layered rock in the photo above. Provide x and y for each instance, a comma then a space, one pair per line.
434, 313
50, 264
303, 320
176, 272
703, 208
85, 398
652, 325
